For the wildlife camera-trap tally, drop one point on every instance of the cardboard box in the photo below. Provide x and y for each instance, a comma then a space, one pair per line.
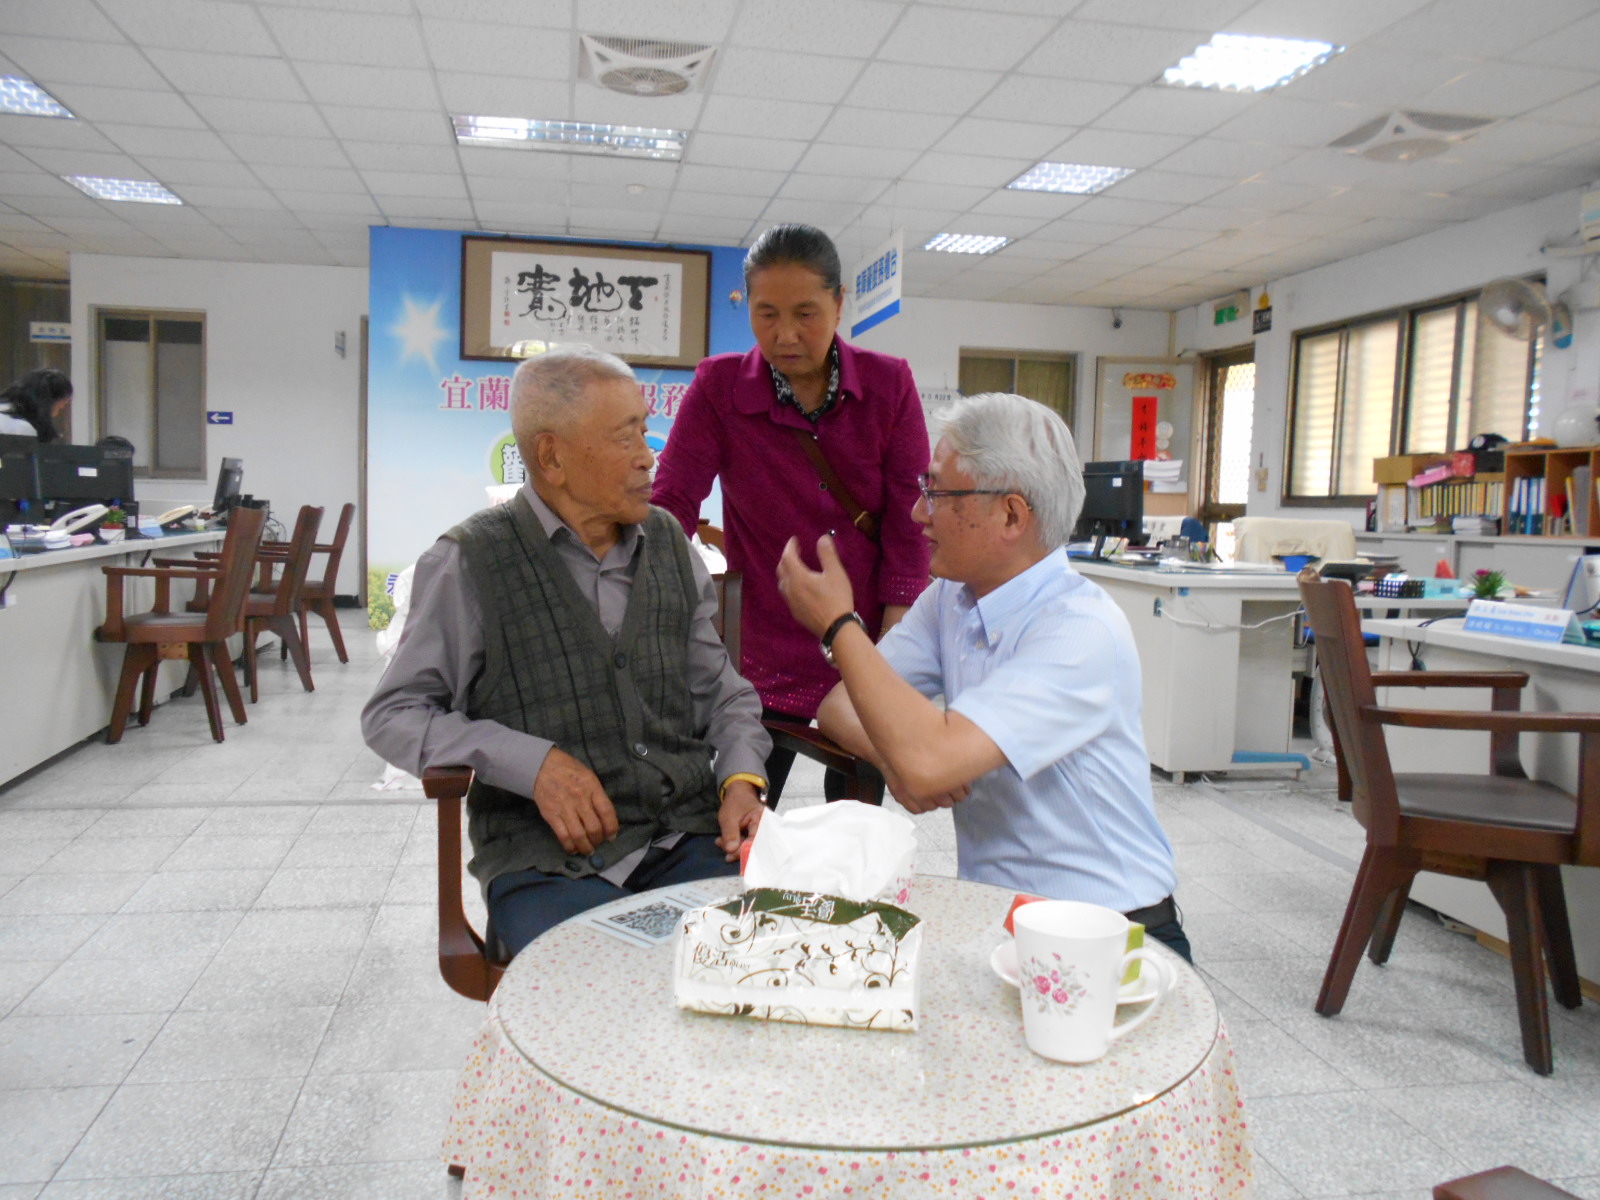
1399, 468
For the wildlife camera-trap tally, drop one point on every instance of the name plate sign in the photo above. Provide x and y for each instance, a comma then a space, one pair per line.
1522, 621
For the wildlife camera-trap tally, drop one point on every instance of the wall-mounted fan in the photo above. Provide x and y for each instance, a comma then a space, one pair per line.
1517, 307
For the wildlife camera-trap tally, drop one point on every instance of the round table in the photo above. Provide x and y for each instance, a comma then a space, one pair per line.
587, 1080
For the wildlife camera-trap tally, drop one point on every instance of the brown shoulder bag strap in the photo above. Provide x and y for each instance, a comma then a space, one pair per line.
859, 517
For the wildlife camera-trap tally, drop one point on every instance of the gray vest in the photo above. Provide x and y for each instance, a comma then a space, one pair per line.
620, 705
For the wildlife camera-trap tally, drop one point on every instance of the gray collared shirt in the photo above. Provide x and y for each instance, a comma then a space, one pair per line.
417, 716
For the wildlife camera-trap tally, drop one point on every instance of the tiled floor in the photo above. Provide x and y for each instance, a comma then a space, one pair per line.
217, 979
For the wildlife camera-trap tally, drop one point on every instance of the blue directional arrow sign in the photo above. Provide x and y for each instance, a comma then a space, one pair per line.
218, 418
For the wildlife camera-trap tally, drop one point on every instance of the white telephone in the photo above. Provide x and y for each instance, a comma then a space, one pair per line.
78, 518
174, 514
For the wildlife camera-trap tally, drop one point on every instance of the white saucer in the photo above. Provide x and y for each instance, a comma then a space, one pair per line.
1004, 963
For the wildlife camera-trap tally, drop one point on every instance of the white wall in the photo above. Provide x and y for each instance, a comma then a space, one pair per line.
930, 335
1451, 260
270, 360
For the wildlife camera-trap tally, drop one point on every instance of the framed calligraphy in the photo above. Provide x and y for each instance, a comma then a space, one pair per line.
651, 308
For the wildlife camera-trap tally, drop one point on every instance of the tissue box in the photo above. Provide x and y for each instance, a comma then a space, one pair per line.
807, 957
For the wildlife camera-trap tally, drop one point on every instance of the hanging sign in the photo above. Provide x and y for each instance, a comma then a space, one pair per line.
876, 286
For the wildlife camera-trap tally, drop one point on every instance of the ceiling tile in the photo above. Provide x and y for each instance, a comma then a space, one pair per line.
1482, 28
1169, 240
1191, 111
1110, 208
838, 189
1125, 254
1344, 23
311, 179
711, 204
968, 168
1580, 108
389, 125
726, 150
205, 25
1267, 196
1226, 159
1044, 205
812, 212
1106, 148
591, 103
1283, 121
51, 61
868, 127
872, 164
1072, 228
140, 140
818, 26
529, 53
228, 75
755, 117
328, 203
1168, 187
770, 75
396, 156
1524, 141
1110, 53
729, 179
1203, 16
901, 87
935, 194
586, 196
433, 208
1199, 216
1376, 75
1067, 101
500, 96
62, 135
229, 114
80, 162
682, 20
482, 162
493, 14
225, 197
370, 87
133, 105
978, 135
719, 230
414, 183
320, 36
78, 19
594, 168
942, 37
526, 214
1576, 45
310, 152
1503, 89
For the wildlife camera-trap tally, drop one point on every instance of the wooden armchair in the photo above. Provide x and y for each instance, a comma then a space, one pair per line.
467, 962
278, 611
156, 635
316, 595
1503, 828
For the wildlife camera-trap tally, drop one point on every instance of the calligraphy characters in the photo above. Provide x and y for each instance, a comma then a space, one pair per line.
585, 294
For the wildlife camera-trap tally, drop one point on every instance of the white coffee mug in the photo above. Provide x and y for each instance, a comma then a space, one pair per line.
1071, 958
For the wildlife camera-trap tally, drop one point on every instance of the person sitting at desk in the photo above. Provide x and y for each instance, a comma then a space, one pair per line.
1040, 749
562, 646
32, 406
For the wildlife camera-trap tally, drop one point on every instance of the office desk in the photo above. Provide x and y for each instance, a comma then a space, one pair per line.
1212, 685
1561, 679
587, 1080
59, 682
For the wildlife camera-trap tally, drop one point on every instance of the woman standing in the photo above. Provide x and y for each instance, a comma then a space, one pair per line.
809, 435
33, 404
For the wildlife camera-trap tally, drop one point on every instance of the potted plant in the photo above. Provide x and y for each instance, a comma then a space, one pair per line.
1487, 585
113, 526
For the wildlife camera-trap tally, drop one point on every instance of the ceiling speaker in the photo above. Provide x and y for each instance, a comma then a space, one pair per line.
1408, 136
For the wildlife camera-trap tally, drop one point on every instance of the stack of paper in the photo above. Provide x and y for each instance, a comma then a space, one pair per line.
1165, 475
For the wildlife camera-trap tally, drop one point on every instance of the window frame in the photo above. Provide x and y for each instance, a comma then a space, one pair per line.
1069, 357
99, 315
1405, 317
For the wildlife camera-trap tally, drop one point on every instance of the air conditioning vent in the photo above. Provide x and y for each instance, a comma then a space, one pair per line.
644, 66
1408, 136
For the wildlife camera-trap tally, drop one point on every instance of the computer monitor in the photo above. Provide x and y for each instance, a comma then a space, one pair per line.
1113, 503
229, 479
85, 474
19, 469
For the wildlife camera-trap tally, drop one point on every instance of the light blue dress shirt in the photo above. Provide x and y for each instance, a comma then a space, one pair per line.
1046, 666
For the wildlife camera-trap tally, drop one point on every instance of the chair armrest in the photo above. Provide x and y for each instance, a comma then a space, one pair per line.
160, 573
1459, 679
446, 783
812, 743
207, 563
1485, 722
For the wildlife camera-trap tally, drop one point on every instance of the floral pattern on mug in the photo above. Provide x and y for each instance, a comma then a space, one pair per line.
1056, 986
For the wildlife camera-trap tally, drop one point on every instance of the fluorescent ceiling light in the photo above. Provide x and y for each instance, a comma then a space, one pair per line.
19, 95
1080, 179
572, 137
140, 191
966, 243
1241, 62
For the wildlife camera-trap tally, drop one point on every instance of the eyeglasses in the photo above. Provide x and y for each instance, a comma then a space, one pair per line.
930, 494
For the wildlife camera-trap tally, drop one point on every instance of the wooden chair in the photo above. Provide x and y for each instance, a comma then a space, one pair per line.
1509, 831
317, 594
278, 610
1500, 1183
151, 636
466, 961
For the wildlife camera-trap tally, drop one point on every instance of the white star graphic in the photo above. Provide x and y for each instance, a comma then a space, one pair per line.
419, 332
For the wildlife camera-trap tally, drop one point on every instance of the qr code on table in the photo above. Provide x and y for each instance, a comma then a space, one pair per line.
655, 922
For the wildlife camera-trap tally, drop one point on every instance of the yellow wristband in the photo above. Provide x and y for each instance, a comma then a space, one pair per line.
756, 781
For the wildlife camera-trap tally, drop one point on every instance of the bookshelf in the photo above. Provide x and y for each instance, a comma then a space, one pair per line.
1538, 483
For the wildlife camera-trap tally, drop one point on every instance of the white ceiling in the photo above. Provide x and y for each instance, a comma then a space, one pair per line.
290, 127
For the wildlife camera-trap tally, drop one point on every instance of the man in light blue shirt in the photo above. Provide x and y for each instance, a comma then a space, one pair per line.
1040, 748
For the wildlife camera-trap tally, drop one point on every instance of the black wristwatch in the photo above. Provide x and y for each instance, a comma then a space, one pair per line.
833, 632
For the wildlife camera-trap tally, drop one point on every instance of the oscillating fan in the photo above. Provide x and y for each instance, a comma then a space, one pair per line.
1516, 307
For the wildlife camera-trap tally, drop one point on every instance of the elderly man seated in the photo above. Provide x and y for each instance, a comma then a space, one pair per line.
1040, 748
562, 646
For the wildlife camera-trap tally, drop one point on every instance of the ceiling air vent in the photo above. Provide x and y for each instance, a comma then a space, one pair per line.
644, 66
1408, 136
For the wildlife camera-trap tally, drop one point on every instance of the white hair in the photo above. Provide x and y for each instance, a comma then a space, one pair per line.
547, 392
1011, 442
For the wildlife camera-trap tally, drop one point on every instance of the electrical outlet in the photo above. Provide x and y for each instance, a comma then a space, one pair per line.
1261, 479
1158, 607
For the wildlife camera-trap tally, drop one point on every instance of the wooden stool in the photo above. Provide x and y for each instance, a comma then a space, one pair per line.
1502, 1183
